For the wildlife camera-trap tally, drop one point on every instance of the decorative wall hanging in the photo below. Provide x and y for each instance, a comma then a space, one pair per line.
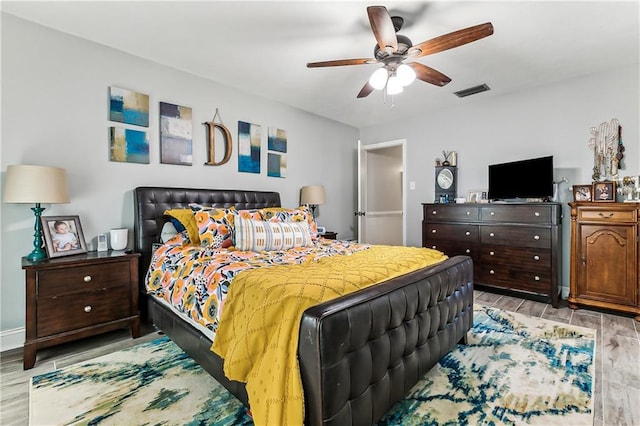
249, 138
129, 107
128, 145
608, 150
175, 134
211, 143
276, 156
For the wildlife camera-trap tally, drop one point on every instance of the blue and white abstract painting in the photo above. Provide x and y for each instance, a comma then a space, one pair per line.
129, 107
249, 139
128, 145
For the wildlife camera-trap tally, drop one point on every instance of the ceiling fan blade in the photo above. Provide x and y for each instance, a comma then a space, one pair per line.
341, 62
383, 29
365, 91
429, 75
451, 40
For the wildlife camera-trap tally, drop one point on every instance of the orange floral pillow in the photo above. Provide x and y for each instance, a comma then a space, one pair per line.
215, 227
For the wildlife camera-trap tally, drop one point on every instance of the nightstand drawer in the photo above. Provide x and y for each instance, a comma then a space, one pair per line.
58, 282
74, 311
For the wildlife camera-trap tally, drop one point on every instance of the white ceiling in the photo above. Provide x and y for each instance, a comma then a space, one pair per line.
263, 47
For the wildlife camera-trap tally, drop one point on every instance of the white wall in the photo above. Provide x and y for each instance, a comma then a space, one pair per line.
55, 112
551, 120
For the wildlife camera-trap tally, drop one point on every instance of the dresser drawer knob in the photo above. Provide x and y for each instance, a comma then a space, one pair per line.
467, 233
536, 257
492, 253
537, 278
492, 234
492, 272
468, 213
87, 308
493, 213
434, 212
536, 214
433, 231
536, 237
87, 278
433, 247
467, 251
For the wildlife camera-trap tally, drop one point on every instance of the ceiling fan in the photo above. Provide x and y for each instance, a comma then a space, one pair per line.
393, 49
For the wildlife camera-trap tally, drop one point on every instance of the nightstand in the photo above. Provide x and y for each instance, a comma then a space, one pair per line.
73, 297
330, 235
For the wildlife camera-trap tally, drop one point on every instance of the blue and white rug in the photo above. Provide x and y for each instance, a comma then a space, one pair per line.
514, 370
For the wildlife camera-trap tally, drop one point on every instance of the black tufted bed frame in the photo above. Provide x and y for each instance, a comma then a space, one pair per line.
396, 331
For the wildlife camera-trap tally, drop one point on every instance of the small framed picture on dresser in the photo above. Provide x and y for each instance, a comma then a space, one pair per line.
582, 192
63, 235
604, 192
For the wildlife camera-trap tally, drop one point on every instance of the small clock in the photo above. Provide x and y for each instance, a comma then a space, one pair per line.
446, 182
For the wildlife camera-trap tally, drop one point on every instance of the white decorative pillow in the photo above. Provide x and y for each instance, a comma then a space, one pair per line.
168, 232
260, 235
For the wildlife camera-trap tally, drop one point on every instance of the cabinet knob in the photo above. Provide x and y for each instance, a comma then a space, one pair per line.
433, 247
493, 213
492, 253
492, 272
536, 237
434, 212
537, 278
467, 251
536, 214
492, 234
536, 257
87, 278
87, 308
433, 231
467, 233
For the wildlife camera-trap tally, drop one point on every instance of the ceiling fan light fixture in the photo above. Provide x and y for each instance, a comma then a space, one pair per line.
394, 86
405, 74
379, 78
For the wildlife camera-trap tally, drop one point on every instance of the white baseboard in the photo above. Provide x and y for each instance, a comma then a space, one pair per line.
12, 339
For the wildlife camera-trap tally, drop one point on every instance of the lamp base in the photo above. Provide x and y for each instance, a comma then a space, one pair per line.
37, 254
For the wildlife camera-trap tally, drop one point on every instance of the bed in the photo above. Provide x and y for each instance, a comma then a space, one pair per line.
390, 333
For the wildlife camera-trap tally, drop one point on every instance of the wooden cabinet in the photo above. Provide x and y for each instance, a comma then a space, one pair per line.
513, 246
72, 297
604, 256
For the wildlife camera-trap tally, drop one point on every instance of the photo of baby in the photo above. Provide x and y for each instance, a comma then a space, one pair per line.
63, 239
63, 235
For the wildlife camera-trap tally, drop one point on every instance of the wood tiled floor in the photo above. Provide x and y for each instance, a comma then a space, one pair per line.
617, 389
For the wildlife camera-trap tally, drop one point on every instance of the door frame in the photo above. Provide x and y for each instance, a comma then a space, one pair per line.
363, 150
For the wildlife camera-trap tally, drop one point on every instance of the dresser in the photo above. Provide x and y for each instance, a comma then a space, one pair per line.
514, 246
604, 256
73, 297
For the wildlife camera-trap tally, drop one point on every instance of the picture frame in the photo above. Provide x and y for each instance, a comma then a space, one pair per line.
604, 192
63, 236
582, 193
477, 196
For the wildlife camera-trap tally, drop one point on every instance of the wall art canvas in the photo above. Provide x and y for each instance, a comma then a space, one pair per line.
276, 165
249, 138
128, 145
176, 140
129, 107
277, 140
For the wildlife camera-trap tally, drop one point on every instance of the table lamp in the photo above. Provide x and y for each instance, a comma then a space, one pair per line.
312, 196
35, 185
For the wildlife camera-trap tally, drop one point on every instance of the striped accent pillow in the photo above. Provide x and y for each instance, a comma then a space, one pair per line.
260, 235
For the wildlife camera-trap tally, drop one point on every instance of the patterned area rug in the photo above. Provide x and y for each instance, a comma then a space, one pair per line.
515, 370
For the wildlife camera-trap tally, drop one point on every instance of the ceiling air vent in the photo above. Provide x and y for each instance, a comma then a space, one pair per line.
472, 90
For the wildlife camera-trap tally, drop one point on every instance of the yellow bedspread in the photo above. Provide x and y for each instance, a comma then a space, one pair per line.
258, 333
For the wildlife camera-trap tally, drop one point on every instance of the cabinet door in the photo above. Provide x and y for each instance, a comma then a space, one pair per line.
606, 268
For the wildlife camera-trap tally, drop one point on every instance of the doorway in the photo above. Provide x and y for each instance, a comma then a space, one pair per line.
381, 195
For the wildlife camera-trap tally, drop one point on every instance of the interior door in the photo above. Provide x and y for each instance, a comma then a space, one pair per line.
381, 198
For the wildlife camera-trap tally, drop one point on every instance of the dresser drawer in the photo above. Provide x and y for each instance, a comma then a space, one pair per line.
455, 248
606, 215
517, 236
445, 231
515, 279
451, 212
517, 213
535, 260
74, 311
58, 282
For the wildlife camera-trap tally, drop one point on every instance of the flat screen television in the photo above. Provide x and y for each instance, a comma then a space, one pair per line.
530, 178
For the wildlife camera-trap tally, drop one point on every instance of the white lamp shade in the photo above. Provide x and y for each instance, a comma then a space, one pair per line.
379, 78
312, 195
394, 86
406, 74
35, 184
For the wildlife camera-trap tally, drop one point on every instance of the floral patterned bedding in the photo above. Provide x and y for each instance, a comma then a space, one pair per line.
195, 280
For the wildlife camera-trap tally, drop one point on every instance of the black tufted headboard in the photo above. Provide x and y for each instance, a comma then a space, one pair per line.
150, 203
